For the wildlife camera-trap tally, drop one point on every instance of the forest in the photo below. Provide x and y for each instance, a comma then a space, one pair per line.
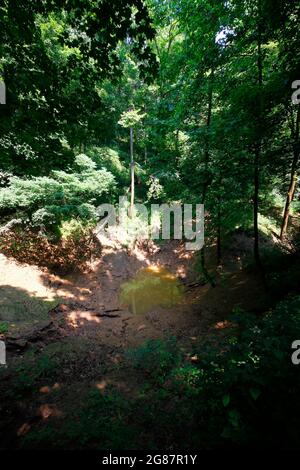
111, 339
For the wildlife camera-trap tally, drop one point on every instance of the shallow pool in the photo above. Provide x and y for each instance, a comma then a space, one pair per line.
152, 287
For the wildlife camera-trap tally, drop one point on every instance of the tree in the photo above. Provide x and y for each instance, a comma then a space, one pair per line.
293, 177
54, 55
129, 120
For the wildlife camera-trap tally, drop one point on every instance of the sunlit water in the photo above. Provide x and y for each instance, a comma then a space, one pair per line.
151, 287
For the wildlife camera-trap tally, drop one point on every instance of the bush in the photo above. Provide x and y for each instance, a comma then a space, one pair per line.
155, 358
30, 372
72, 252
105, 157
4, 327
242, 391
47, 201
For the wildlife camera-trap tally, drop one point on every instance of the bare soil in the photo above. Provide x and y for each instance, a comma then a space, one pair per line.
87, 305
79, 319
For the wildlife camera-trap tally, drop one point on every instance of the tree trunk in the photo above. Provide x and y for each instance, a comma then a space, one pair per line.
131, 173
206, 163
207, 137
258, 145
219, 241
293, 178
255, 205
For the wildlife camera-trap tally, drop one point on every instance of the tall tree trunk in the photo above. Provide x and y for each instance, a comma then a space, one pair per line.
258, 148
206, 163
131, 172
207, 137
258, 145
256, 205
219, 241
293, 177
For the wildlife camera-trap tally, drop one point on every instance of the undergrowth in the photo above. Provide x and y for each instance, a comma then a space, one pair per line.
240, 391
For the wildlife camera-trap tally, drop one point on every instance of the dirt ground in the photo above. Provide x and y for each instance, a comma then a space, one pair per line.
78, 320
88, 305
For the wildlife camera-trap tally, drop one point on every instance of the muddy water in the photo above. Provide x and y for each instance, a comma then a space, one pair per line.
152, 287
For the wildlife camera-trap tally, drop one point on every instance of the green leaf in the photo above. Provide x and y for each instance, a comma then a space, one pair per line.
234, 417
226, 399
255, 392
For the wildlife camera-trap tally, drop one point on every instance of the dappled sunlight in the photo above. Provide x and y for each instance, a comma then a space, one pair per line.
48, 389
67, 288
101, 385
181, 272
60, 285
194, 358
141, 327
77, 318
19, 306
24, 298
46, 411
108, 275
182, 253
24, 277
140, 255
153, 269
221, 325
23, 429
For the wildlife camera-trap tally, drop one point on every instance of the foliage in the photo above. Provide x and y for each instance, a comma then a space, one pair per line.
30, 372
155, 357
130, 118
3, 327
234, 391
198, 124
51, 105
206, 87
110, 159
240, 392
49, 200
72, 252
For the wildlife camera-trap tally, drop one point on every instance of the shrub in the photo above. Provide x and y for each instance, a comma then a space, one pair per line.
4, 327
30, 371
155, 358
105, 157
47, 201
72, 252
242, 391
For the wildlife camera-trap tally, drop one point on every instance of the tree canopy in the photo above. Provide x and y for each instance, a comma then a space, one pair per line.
159, 102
